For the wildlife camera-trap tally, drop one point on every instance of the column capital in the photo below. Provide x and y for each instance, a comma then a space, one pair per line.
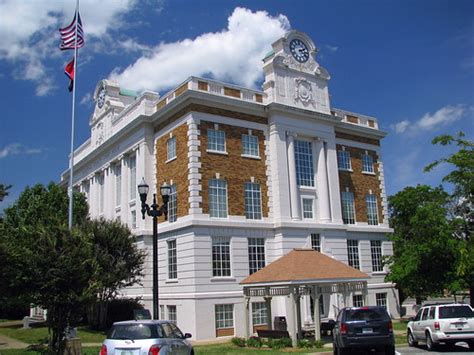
291, 134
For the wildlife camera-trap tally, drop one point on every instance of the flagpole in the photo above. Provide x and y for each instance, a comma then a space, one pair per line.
71, 156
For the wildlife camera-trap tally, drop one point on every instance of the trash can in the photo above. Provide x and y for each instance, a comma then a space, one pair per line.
279, 323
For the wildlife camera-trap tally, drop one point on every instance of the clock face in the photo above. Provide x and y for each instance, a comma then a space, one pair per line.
299, 50
101, 98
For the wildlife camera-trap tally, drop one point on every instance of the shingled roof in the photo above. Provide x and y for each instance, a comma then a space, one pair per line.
304, 265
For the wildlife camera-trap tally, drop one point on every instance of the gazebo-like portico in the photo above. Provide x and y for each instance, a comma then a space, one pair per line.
302, 272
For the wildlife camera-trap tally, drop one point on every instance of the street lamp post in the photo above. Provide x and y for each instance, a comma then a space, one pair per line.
154, 211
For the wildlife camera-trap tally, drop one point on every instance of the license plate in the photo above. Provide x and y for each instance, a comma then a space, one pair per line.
367, 330
459, 325
127, 352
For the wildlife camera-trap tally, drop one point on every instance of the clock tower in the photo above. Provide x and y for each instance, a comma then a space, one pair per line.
293, 77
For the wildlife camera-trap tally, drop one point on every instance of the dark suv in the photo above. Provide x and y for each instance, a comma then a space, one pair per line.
363, 328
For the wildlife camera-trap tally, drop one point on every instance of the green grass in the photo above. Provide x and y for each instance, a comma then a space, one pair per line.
85, 351
229, 349
401, 325
37, 334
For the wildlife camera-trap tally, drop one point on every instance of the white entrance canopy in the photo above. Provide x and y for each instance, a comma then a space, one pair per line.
302, 272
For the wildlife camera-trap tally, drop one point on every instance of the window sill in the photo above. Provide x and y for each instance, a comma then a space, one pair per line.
256, 157
217, 152
368, 173
132, 203
223, 279
349, 170
171, 281
379, 273
170, 160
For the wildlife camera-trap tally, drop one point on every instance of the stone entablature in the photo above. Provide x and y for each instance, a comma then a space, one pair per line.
355, 118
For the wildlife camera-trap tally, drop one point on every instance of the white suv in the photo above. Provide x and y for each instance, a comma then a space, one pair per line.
442, 323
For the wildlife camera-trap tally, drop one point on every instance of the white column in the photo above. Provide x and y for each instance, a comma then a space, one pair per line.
268, 305
124, 191
316, 316
294, 196
323, 186
246, 314
365, 294
291, 317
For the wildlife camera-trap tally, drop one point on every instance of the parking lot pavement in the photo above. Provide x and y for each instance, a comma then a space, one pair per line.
459, 349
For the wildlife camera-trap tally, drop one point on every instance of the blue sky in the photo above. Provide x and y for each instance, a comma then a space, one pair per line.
408, 63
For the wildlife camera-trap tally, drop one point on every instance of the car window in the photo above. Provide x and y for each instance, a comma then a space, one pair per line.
169, 333
424, 316
431, 315
132, 331
418, 315
176, 331
455, 312
365, 314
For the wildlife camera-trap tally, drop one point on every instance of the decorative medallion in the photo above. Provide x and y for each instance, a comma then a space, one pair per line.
303, 91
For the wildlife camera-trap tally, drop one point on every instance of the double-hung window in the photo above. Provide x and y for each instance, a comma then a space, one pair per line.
172, 204
376, 253
344, 160
132, 166
381, 300
308, 208
259, 313
215, 140
217, 198
253, 201
353, 253
171, 148
172, 316
256, 254
357, 301
348, 208
371, 205
172, 260
367, 163
304, 163
221, 265
224, 316
250, 145
316, 242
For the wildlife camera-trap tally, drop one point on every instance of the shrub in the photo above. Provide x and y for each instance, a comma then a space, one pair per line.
310, 343
255, 342
279, 343
240, 342
318, 343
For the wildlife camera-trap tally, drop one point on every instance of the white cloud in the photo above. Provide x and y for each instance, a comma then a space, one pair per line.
29, 32
429, 122
16, 149
331, 48
233, 54
86, 99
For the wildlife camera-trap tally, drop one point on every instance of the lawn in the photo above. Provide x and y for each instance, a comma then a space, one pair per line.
37, 334
400, 325
229, 349
85, 351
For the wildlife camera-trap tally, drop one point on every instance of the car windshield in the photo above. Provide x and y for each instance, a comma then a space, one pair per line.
365, 314
134, 331
455, 312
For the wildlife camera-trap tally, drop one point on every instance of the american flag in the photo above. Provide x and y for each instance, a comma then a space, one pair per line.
68, 34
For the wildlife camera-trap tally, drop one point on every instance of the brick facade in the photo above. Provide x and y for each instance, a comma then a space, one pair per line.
176, 169
360, 183
233, 168
354, 138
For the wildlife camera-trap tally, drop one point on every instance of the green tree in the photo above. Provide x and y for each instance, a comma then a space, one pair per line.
424, 250
462, 203
47, 265
117, 260
4, 191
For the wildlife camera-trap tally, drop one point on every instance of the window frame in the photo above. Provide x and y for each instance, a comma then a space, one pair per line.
173, 204
358, 300
344, 160
172, 257
215, 211
376, 255
307, 214
256, 254
367, 162
253, 203
250, 148
171, 148
353, 257
372, 209
313, 238
261, 309
381, 300
172, 310
348, 207
304, 163
218, 141
221, 246
224, 322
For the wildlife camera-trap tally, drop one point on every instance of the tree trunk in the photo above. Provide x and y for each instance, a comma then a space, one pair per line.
471, 295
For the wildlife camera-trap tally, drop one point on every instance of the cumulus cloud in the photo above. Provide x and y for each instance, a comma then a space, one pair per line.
331, 48
27, 29
431, 121
233, 54
16, 149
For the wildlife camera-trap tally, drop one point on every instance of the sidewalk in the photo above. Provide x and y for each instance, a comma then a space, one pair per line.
9, 343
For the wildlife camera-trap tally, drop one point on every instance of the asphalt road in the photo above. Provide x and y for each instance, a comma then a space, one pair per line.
458, 349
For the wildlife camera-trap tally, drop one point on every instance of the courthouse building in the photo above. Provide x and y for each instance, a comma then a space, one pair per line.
254, 175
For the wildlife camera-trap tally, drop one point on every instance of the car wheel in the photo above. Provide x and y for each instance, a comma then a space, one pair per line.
430, 345
390, 350
334, 349
411, 339
470, 343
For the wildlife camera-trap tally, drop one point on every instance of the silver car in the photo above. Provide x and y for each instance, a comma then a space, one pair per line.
146, 337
